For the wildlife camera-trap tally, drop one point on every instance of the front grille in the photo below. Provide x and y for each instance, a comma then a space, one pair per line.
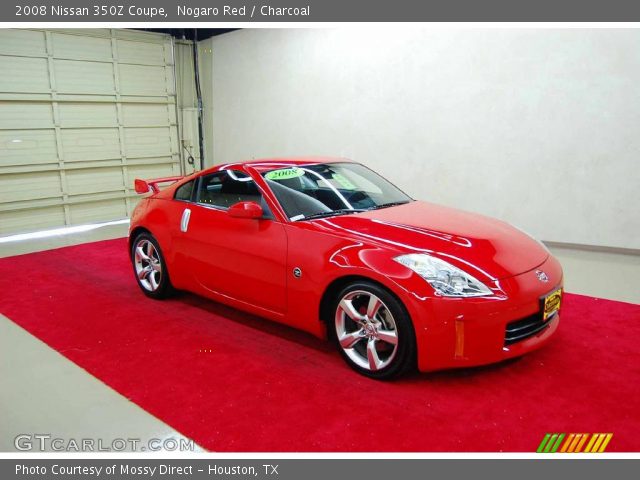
525, 328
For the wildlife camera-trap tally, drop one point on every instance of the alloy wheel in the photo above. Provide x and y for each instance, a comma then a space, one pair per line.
366, 330
148, 265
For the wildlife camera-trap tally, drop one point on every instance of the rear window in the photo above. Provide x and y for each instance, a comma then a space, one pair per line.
185, 192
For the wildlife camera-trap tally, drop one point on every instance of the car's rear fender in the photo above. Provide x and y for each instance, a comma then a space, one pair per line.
161, 218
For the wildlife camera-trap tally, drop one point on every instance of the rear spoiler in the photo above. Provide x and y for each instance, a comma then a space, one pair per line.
151, 186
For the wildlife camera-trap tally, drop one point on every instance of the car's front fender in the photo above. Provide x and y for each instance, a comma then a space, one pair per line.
327, 260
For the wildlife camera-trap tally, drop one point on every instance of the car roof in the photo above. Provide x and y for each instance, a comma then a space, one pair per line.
266, 164
261, 165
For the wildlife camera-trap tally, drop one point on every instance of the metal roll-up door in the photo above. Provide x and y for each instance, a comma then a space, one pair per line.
82, 114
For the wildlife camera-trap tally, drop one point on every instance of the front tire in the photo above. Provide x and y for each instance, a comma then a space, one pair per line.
149, 267
373, 331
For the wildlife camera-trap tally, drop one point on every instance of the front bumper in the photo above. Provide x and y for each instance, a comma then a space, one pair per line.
463, 332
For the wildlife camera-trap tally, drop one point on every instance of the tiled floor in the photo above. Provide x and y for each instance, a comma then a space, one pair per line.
44, 393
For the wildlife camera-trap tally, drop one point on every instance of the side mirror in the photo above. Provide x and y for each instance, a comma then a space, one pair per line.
245, 210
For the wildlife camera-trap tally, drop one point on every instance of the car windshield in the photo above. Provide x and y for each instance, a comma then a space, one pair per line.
323, 190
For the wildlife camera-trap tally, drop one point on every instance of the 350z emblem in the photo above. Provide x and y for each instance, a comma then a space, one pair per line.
542, 276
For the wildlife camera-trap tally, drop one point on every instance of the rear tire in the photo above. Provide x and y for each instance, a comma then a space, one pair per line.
373, 331
150, 267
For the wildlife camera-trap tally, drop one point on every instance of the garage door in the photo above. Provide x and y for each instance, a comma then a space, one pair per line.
82, 114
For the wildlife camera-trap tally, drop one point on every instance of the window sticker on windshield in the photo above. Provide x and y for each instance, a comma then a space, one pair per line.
343, 181
285, 173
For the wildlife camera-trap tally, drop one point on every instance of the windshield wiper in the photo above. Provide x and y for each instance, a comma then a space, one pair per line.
333, 213
390, 204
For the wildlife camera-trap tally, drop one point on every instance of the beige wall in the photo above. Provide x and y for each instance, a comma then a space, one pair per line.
538, 127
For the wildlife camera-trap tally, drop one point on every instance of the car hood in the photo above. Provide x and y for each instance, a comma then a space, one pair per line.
487, 248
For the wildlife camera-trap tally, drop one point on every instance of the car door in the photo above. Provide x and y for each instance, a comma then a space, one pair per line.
240, 258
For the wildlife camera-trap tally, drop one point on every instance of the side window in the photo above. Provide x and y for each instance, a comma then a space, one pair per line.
223, 189
184, 192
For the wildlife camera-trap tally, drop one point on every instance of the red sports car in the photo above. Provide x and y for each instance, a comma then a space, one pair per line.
330, 247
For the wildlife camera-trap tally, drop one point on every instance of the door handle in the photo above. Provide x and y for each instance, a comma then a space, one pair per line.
184, 223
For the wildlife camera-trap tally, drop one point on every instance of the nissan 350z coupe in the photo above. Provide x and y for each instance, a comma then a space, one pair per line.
332, 248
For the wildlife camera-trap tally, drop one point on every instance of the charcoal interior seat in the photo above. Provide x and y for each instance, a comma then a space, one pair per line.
209, 194
234, 191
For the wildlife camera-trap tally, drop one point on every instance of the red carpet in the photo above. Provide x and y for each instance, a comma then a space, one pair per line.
265, 387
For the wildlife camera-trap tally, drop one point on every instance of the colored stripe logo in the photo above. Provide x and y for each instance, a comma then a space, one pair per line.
574, 443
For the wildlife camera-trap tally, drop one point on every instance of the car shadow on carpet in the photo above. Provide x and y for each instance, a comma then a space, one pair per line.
305, 339
255, 322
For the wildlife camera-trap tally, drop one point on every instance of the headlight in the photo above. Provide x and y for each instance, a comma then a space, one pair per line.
446, 279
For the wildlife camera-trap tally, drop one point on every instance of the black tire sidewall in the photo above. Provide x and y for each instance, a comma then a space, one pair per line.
164, 289
405, 358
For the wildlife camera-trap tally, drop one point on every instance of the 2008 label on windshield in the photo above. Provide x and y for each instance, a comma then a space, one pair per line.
284, 173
